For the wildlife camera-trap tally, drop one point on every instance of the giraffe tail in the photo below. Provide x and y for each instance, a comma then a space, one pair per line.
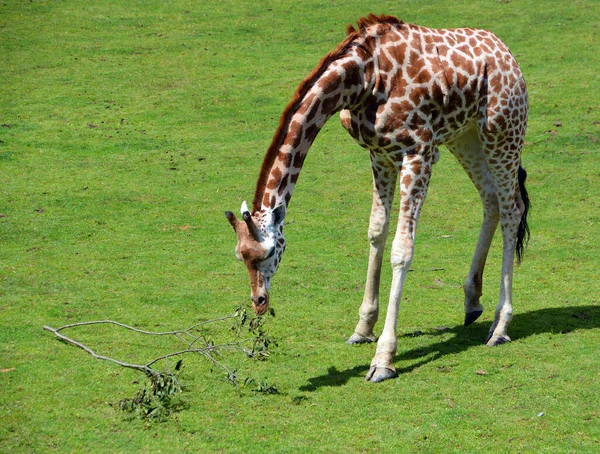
523, 233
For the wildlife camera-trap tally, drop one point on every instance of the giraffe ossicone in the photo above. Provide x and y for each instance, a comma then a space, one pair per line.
244, 209
403, 90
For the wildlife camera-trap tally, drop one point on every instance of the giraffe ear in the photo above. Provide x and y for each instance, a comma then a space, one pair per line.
232, 219
278, 215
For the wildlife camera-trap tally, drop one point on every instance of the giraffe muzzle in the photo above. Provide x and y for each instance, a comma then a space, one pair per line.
260, 303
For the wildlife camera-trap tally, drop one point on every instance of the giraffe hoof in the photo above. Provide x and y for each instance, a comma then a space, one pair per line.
378, 374
493, 341
470, 317
358, 339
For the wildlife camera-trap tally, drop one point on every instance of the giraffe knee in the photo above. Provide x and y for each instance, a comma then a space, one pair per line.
402, 254
510, 213
378, 226
377, 234
491, 207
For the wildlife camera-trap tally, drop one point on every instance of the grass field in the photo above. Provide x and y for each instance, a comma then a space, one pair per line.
127, 128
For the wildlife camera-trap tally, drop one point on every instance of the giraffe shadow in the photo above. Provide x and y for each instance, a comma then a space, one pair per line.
555, 320
334, 377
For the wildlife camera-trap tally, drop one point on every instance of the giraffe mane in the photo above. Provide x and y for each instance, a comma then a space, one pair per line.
373, 19
287, 115
301, 92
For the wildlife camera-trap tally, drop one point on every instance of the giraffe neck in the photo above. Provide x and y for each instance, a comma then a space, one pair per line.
326, 91
300, 133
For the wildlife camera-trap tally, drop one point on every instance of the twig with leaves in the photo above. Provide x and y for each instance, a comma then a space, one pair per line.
250, 339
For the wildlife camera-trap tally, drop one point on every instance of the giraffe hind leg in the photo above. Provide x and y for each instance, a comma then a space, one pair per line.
468, 150
504, 163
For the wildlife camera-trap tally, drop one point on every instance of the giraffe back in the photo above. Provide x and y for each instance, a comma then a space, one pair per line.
427, 86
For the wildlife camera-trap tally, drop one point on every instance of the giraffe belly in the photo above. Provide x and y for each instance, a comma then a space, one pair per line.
361, 128
454, 123
389, 134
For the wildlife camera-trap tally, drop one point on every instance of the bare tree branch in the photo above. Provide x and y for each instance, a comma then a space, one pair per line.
141, 368
205, 347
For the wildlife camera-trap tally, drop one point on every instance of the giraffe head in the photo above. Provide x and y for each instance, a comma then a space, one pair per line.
260, 246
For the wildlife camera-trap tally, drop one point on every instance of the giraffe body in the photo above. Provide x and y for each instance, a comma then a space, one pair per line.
403, 90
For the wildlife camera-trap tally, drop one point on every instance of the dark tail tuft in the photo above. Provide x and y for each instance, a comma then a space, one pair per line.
523, 233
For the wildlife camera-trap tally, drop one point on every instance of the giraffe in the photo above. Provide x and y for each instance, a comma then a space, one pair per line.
401, 91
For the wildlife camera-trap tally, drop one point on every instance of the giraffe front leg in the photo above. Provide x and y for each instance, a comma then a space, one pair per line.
384, 181
369, 309
382, 365
414, 178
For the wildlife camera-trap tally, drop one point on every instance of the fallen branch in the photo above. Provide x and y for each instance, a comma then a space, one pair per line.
147, 370
162, 398
254, 346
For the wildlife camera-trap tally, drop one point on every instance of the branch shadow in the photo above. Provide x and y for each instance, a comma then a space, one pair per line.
555, 320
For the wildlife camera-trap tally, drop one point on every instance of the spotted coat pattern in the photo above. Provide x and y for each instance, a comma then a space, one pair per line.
402, 90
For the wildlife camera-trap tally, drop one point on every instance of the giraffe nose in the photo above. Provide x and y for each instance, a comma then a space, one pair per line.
260, 304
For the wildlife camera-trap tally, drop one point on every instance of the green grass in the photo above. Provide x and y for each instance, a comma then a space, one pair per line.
129, 127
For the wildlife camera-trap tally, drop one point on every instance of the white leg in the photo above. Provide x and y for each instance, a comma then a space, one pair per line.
468, 150
509, 221
510, 210
384, 182
474, 282
414, 181
501, 127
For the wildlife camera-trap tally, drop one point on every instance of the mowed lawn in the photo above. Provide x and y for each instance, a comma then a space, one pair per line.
127, 128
